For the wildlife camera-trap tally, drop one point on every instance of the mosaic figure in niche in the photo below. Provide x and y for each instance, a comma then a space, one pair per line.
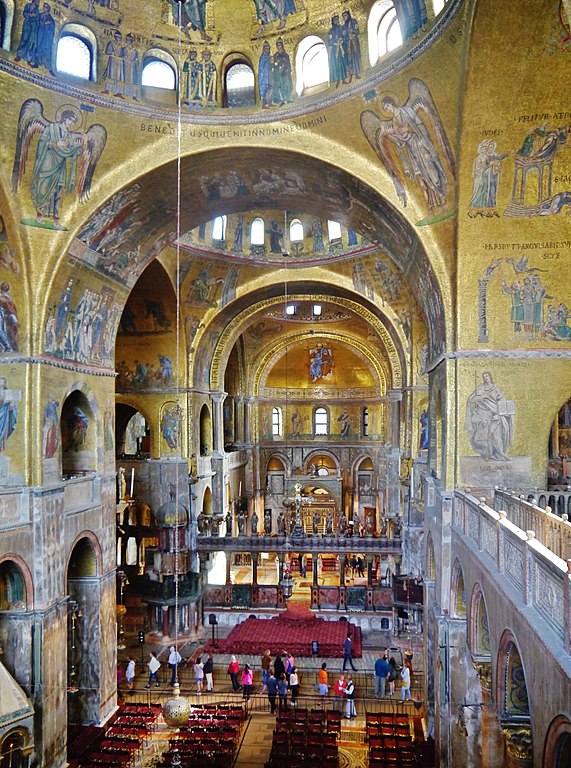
281, 73
424, 426
51, 428
29, 37
192, 68
77, 426
114, 73
320, 362
337, 52
404, 144
131, 64
170, 426
353, 46
345, 421
65, 158
8, 320
209, 87
486, 174
489, 420
8, 412
265, 76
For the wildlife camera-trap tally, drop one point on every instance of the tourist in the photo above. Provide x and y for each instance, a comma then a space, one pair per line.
266, 664
208, 671
199, 675
294, 686
247, 682
350, 710
381, 674
154, 665
347, 658
130, 675
323, 680
339, 692
405, 674
393, 673
282, 692
173, 662
279, 666
233, 668
289, 663
272, 685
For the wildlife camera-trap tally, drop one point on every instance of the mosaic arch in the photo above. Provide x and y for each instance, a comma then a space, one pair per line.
390, 371
557, 750
512, 696
86, 558
16, 584
317, 455
458, 593
479, 626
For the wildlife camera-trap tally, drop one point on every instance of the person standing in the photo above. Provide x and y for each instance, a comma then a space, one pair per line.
289, 663
154, 665
347, 658
173, 662
279, 666
294, 686
199, 675
339, 692
381, 674
405, 674
208, 671
233, 668
266, 664
392, 675
282, 692
272, 685
350, 710
247, 682
130, 675
323, 680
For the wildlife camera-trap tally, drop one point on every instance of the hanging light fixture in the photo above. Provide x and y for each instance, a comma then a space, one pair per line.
176, 710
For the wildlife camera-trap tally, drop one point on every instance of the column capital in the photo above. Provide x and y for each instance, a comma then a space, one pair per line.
394, 394
218, 397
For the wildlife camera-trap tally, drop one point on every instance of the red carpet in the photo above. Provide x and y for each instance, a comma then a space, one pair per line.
292, 631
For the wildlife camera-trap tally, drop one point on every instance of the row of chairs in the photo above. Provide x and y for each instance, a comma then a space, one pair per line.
121, 743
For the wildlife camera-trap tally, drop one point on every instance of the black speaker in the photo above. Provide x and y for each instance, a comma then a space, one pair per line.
212, 620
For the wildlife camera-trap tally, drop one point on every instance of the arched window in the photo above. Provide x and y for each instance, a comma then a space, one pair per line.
76, 52
240, 91
158, 74
277, 424
334, 231
257, 232
311, 64
365, 421
296, 231
219, 228
6, 19
321, 421
437, 6
383, 30
12, 587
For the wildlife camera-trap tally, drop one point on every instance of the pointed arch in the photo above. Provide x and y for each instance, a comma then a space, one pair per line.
458, 607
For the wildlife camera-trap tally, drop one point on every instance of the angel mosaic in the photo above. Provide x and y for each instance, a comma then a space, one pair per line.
65, 158
412, 145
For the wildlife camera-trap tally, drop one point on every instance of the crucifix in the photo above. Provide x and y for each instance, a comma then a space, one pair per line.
296, 503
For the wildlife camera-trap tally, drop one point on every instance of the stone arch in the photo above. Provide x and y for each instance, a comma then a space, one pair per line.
512, 696
23, 575
479, 626
85, 556
557, 749
206, 431
458, 607
16, 746
316, 455
79, 432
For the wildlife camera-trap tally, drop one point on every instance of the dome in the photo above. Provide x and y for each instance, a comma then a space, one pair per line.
171, 514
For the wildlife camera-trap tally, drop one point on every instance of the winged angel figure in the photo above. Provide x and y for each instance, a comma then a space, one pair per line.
65, 158
412, 140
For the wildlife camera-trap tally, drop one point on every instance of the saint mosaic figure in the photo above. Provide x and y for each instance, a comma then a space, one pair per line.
8, 413
486, 174
321, 362
65, 158
190, 14
404, 145
489, 420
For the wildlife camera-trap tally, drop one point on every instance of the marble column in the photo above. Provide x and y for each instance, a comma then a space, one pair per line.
314, 568
248, 418
254, 556
395, 398
218, 401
